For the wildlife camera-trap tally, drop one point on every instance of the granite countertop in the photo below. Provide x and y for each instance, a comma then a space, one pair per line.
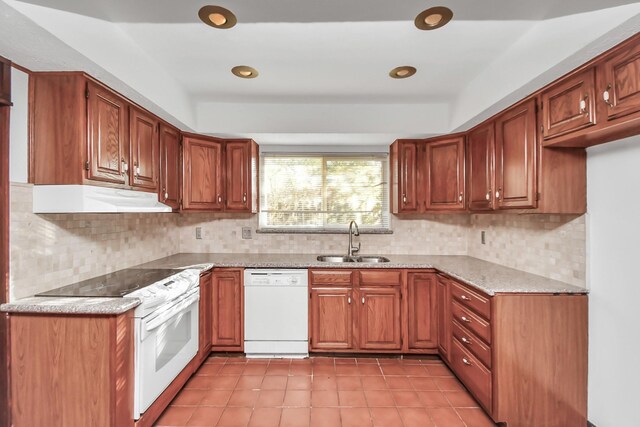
487, 277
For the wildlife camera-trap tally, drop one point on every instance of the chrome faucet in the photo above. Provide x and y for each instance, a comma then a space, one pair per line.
353, 249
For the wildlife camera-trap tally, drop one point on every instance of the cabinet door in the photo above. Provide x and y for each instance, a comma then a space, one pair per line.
5, 81
516, 157
204, 318
423, 310
480, 172
169, 189
380, 318
202, 177
445, 174
226, 309
143, 131
331, 320
569, 105
238, 175
408, 193
444, 316
621, 91
107, 121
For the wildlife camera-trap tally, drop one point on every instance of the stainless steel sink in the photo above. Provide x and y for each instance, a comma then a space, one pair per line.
340, 258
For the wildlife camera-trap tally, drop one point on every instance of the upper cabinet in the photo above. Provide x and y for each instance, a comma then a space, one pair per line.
144, 138
5, 81
220, 175
405, 180
480, 167
516, 157
621, 82
170, 161
445, 174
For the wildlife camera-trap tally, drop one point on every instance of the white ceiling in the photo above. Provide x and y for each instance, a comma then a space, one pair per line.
320, 57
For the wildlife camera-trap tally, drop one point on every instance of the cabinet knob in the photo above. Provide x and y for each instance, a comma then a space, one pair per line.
465, 298
464, 319
166, 194
219, 199
244, 198
363, 300
606, 96
125, 166
498, 193
349, 300
466, 361
488, 195
583, 105
404, 198
460, 197
466, 340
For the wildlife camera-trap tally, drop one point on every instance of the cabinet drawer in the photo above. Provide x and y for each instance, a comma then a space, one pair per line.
331, 277
472, 373
471, 342
379, 277
472, 300
471, 321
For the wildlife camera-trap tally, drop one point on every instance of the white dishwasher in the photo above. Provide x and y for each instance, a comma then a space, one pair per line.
276, 315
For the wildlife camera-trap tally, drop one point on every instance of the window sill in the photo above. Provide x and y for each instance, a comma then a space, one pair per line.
316, 231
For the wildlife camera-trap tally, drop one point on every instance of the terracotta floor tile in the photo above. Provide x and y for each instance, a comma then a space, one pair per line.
406, 398
460, 399
345, 361
176, 416
448, 384
274, 382
295, 417
235, 417
265, 417
349, 383
416, 370
379, 398
243, 398
355, 417
411, 361
282, 361
433, 399
270, 398
324, 370
216, 398
249, 382
439, 371
415, 417
342, 370
352, 398
295, 369
322, 360
223, 382
324, 383
297, 398
228, 369
389, 361
367, 360
475, 417
325, 417
209, 369
278, 370
251, 369
237, 360
299, 383
200, 382
423, 383
398, 383
216, 360
189, 397
369, 369
445, 417
324, 398
205, 416
433, 360
393, 370
374, 383
385, 417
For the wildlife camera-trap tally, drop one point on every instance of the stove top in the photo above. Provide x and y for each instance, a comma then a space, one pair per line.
116, 284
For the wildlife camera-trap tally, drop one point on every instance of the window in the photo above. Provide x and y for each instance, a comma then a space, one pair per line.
323, 192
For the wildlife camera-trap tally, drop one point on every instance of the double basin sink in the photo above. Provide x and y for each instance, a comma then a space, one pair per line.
340, 258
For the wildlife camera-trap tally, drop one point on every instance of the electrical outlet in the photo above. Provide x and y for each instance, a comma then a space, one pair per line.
198, 233
483, 239
246, 233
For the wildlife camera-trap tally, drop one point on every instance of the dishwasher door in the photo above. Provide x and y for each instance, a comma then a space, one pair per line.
276, 315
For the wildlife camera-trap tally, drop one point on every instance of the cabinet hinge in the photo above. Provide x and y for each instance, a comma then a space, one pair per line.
86, 93
86, 165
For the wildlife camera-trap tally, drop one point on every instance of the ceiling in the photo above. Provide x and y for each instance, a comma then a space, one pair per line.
331, 54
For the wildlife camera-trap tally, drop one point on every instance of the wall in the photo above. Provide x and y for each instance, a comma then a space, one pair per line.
18, 127
613, 179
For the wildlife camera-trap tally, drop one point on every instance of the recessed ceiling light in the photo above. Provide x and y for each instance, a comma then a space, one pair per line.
217, 17
402, 72
434, 17
245, 72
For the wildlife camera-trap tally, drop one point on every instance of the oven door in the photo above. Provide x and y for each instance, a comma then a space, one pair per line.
166, 341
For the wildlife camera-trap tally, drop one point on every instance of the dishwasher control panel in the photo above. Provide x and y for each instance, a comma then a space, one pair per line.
276, 278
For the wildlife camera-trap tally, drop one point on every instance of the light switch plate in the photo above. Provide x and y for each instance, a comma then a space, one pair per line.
246, 233
483, 239
199, 233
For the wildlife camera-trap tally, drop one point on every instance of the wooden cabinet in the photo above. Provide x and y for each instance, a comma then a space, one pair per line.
227, 310
144, 141
205, 314
107, 119
380, 318
331, 319
170, 161
516, 149
480, 168
569, 105
241, 160
5, 81
422, 312
202, 174
445, 174
620, 89
443, 294
406, 181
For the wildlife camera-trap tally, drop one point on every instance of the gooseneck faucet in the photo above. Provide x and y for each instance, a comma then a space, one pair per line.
353, 249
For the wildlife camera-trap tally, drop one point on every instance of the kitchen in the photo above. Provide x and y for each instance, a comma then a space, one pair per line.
221, 176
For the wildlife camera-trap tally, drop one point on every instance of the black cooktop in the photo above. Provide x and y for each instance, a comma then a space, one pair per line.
116, 284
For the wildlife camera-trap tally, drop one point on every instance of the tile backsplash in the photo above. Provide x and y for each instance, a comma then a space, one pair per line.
48, 251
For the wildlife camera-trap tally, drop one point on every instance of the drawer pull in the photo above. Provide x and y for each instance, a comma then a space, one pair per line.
465, 298
466, 340
465, 361
464, 319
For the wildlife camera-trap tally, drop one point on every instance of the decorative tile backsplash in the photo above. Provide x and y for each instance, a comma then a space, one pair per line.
48, 251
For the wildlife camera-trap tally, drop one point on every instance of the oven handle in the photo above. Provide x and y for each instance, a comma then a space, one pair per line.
177, 309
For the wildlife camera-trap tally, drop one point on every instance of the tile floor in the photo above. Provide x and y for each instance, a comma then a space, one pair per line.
324, 392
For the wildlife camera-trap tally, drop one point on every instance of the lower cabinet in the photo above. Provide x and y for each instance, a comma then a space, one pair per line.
380, 318
444, 315
227, 310
204, 336
331, 319
422, 311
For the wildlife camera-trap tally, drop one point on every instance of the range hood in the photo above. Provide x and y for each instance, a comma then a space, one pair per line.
92, 199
